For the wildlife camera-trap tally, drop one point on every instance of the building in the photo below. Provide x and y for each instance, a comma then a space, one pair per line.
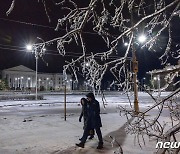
166, 78
23, 78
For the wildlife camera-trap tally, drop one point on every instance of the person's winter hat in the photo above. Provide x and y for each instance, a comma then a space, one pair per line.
90, 95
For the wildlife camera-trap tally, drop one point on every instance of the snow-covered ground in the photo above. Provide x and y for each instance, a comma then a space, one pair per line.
144, 99
38, 127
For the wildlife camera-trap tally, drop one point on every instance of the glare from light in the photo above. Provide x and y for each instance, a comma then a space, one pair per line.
87, 64
125, 44
29, 47
142, 38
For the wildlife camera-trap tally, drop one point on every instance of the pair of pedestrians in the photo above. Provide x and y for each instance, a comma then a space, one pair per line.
92, 120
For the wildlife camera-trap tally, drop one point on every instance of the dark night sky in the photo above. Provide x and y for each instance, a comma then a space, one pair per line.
19, 34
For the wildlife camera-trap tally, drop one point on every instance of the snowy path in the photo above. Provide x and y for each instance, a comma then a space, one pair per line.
34, 129
50, 134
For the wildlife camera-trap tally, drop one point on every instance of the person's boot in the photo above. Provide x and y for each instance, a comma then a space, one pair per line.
100, 145
80, 144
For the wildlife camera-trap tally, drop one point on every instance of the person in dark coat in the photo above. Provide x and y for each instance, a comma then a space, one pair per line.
84, 114
93, 121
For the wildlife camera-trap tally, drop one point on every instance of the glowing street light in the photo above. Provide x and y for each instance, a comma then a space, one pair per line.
87, 64
142, 38
126, 44
29, 47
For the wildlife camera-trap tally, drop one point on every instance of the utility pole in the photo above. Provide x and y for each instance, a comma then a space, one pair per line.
135, 69
36, 56
65, 101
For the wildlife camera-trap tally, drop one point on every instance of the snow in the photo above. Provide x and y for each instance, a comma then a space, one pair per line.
75, 98
50, 133
31, 128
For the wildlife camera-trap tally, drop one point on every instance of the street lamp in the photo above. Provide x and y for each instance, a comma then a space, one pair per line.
87, 64
29, 47
126, 44
142, 38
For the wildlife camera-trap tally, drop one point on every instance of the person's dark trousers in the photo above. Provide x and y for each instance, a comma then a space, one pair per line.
99, 134
86, 134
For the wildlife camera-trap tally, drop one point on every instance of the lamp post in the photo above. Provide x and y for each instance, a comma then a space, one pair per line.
65, 95
30, 48
141, 39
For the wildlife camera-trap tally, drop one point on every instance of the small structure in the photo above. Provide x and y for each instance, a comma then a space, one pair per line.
23, 78
166, 78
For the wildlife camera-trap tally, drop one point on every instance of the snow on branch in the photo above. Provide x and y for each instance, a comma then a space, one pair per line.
106, 18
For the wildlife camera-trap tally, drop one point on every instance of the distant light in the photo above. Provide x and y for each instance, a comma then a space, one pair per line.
155, 78
22, 77
44, 49
87, 64
29, 47
29, 78
125, 44
177, 12
47, 79
142, 38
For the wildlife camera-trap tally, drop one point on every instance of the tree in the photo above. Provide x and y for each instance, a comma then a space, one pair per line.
3, 84
117, 22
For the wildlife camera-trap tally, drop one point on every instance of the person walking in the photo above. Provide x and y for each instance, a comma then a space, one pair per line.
93, 121
84, 114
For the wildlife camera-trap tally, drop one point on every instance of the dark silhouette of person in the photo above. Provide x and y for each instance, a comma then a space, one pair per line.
84, 114
93, 121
